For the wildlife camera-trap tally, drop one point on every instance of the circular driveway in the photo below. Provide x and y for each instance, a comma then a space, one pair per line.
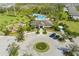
32, 38
26, 47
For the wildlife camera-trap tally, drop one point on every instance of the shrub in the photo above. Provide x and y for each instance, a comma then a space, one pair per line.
28, 29
66, 53
2, 10
37, 32
44, 32
20, 34
71, 39
6, 31
56, 28
61, 39
72, 50
64, 25
13, 49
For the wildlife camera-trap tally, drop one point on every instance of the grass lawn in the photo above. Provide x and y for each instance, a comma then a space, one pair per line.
73, 26
41, 47
4, 18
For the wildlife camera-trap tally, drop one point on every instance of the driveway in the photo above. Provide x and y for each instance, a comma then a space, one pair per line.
26, 47
32, 38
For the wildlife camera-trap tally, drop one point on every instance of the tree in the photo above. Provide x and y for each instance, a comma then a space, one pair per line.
13, 49
61, 39
44, 32
20, 34
2, 10
37, 32
55, 27
6, 31
73, 50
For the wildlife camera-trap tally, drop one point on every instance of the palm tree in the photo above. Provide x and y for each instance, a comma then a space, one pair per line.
73, 50
20, 34
13, 49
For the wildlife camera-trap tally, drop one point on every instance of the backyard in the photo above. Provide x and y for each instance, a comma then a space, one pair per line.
5, 18
72, 26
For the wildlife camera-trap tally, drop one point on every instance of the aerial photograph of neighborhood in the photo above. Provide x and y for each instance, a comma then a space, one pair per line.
39, 29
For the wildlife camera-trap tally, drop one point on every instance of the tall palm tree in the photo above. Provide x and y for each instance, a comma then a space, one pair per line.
73, 50
13, 49
20, 34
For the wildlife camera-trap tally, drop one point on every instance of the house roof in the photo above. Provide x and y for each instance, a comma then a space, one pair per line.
41, 23
72, 10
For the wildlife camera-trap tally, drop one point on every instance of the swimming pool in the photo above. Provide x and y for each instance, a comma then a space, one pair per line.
39, 17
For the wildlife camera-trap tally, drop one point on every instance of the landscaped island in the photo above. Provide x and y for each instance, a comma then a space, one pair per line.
41, 47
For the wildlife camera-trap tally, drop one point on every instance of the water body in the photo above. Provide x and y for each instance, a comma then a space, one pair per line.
39, 16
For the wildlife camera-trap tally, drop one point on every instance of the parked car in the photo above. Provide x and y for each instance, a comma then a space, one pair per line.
52, 35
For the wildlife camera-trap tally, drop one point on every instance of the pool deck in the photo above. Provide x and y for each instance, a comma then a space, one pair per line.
45, 23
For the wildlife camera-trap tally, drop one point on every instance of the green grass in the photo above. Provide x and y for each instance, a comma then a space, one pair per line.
72, 26
41, 47
4, 18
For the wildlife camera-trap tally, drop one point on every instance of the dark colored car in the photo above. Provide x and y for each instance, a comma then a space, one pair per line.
56, 37
52, 35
